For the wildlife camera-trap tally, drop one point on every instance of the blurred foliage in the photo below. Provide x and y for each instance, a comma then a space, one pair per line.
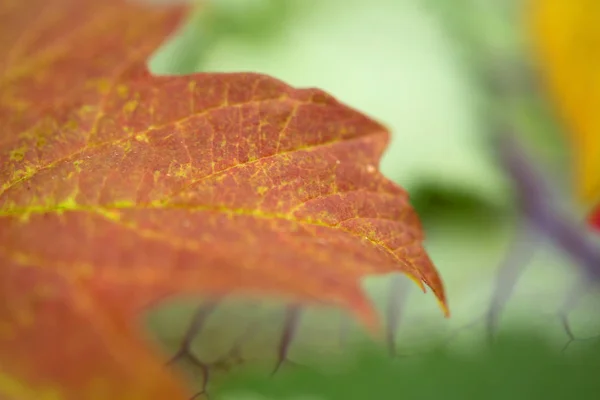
214, 22
492, 39
519, 366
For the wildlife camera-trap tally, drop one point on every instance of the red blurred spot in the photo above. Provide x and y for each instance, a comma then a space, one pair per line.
594, 218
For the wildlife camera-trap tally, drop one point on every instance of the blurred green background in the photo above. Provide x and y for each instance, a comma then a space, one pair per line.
444, 76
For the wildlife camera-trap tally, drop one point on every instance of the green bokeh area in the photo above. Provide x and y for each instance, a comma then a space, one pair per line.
520, 367
442, 75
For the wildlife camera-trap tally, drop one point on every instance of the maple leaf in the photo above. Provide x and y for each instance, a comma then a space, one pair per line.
119, 189
564, 36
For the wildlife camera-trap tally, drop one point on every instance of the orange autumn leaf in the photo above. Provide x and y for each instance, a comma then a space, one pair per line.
119, 189
565, 36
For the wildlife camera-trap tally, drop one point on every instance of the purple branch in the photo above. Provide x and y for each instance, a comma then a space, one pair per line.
540, 208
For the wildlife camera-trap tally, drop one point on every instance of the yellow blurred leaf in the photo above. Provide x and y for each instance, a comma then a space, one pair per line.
566, 42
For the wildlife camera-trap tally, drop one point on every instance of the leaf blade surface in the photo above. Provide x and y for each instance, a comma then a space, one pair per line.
120, 189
